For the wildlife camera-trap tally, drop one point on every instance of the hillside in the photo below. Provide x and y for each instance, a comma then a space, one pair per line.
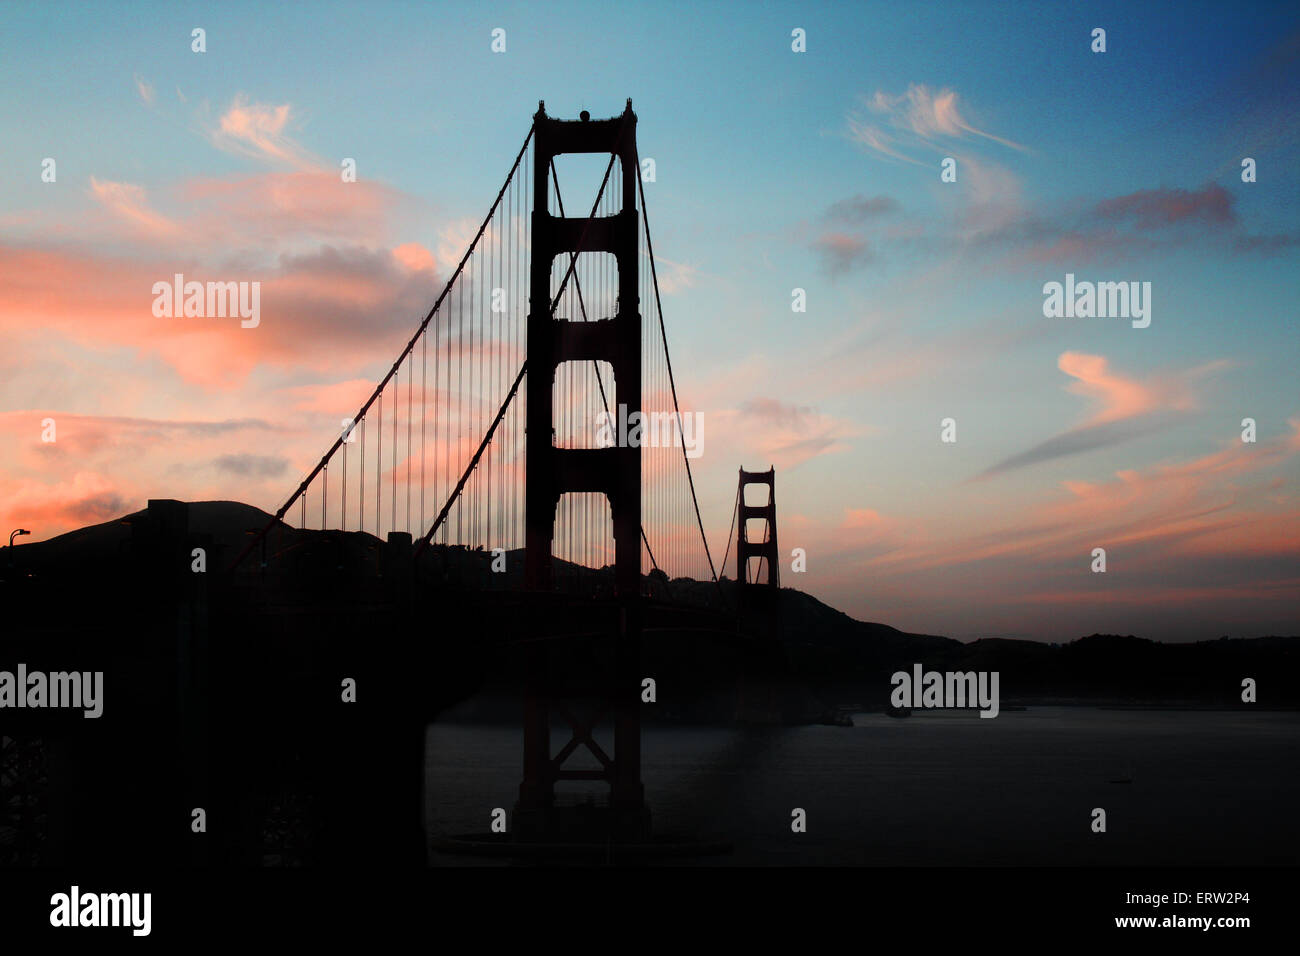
836, 658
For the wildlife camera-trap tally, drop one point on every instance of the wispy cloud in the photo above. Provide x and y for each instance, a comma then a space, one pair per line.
919, 126
85, 498
841, 252
919, 119
991, 217
786, 434
873, 138
252, 466
1266, 245
1125, 409
929, 114
858, 209
145, 90
1172, 506
675, 277
259, 130
129, 203
1211, 205
317, 306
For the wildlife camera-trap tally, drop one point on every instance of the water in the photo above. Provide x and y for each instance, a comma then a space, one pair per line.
1179, 787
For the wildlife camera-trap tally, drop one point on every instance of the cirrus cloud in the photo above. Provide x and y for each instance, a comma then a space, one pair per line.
258, 130
919, 119
1126, 409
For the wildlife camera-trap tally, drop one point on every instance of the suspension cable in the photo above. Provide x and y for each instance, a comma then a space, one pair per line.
406, 351
573, 261
669, 363
734, 512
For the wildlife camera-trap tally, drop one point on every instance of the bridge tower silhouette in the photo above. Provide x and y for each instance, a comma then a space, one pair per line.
766, 548
614, 472
760, 697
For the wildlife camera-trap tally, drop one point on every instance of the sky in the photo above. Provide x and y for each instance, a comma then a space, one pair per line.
776, 170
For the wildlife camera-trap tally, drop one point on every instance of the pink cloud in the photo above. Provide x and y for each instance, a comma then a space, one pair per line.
145, 90
277, 209
258, 130
1127, 409
877, 140
335, 398
415, 257
1168, 503
920, 119
929, 113
50, 508
129, 203
1155, 208
841, 252
675, 277
779, 433
1119, 397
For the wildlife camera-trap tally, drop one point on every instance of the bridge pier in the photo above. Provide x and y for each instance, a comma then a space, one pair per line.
539, 817
553, 472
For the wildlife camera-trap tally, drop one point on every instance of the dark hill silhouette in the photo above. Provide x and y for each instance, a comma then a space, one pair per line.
226, 522
838, 658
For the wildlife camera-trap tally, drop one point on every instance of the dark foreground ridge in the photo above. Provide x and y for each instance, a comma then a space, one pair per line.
332, 574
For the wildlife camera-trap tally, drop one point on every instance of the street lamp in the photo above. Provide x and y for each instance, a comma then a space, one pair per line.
14, 534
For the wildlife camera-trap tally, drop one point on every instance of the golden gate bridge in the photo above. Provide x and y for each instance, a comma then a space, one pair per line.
483, 436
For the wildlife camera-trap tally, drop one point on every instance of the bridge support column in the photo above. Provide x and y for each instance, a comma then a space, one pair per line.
761, 696
553, 472
766, 549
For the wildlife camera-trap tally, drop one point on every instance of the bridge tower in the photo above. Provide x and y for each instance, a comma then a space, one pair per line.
766, 548
553, 472
761, 694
